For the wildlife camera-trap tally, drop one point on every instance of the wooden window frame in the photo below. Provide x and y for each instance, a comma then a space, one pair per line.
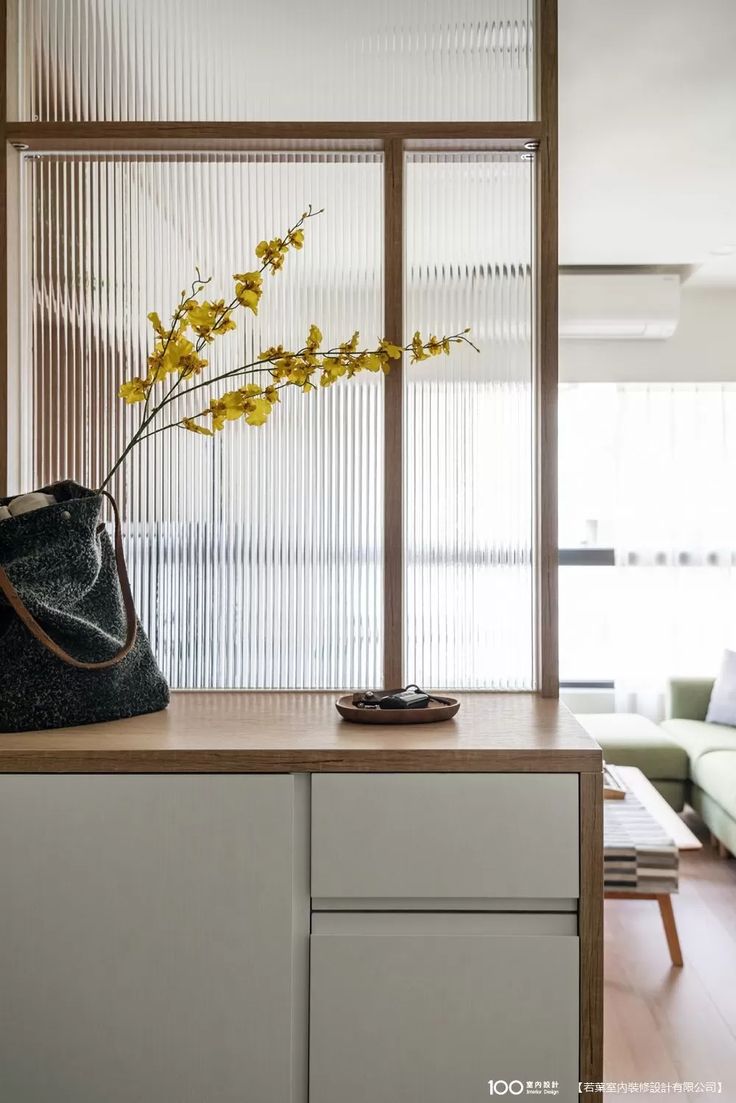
392, 137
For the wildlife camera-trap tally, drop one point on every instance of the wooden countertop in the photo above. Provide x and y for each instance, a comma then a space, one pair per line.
288, 732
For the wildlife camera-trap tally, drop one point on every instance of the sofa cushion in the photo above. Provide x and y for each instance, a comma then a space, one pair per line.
715, 773
698, 738
688, 698
628, 739
720, 822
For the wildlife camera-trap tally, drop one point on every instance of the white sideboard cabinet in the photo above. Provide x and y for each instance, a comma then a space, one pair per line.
245, 900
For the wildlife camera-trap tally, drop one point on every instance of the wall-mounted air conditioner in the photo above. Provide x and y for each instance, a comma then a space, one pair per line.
619, 306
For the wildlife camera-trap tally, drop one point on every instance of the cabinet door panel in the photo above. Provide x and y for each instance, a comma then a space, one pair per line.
410, 1015
153, 939
453, 836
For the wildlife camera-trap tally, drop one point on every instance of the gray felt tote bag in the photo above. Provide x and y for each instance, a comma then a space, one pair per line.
72, 650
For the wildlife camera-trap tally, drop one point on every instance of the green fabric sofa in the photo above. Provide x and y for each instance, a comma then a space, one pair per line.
711, 751
628, 739
687, 760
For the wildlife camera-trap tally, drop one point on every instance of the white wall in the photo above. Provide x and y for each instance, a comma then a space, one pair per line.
647, 135
589, 700
703, 347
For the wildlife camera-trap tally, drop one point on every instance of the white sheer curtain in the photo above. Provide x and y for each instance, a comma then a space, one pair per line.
675, 536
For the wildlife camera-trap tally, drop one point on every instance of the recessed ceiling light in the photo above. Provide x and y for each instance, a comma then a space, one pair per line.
723, 251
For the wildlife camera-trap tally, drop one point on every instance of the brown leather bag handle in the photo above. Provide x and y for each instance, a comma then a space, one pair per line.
37, 631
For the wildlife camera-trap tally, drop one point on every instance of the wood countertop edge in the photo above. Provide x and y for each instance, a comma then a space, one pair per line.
229, 760
260, 732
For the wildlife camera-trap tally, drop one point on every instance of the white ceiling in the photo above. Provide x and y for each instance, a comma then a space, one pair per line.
648, 134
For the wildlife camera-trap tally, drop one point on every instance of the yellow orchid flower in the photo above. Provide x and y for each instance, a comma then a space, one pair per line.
176, 355
248, 289
350, 346
157, 324
314, 340
274, 353
294, 369
334, 366
218, 413
272, 253
257, 411
373, 361
193, 427
435, 346
229, 407
208, 320
392, 351
190, 364
248, 402
284, 365
233, 402
135, 390
417, 348
332, 370
300, 376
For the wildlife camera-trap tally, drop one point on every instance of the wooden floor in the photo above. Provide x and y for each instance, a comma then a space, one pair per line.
668, 1024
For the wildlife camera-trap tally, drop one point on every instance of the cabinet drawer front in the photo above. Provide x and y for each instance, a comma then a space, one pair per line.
432, 1015
444, 836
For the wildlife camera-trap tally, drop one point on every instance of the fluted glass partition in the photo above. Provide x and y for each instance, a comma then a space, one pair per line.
256, 557
469, 422
242, 59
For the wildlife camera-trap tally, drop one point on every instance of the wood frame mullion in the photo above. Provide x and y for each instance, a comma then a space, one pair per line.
590, 933
547, 329
61, 135
393, 417
4, 215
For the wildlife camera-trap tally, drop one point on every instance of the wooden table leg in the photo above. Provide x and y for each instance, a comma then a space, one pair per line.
670, 928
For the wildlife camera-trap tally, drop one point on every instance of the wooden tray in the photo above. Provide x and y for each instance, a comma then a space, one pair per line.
442, 708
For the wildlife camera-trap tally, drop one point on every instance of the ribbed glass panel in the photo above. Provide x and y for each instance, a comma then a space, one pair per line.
239, 59
256, 557
469, 426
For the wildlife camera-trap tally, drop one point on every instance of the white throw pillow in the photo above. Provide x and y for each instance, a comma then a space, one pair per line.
722, 707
